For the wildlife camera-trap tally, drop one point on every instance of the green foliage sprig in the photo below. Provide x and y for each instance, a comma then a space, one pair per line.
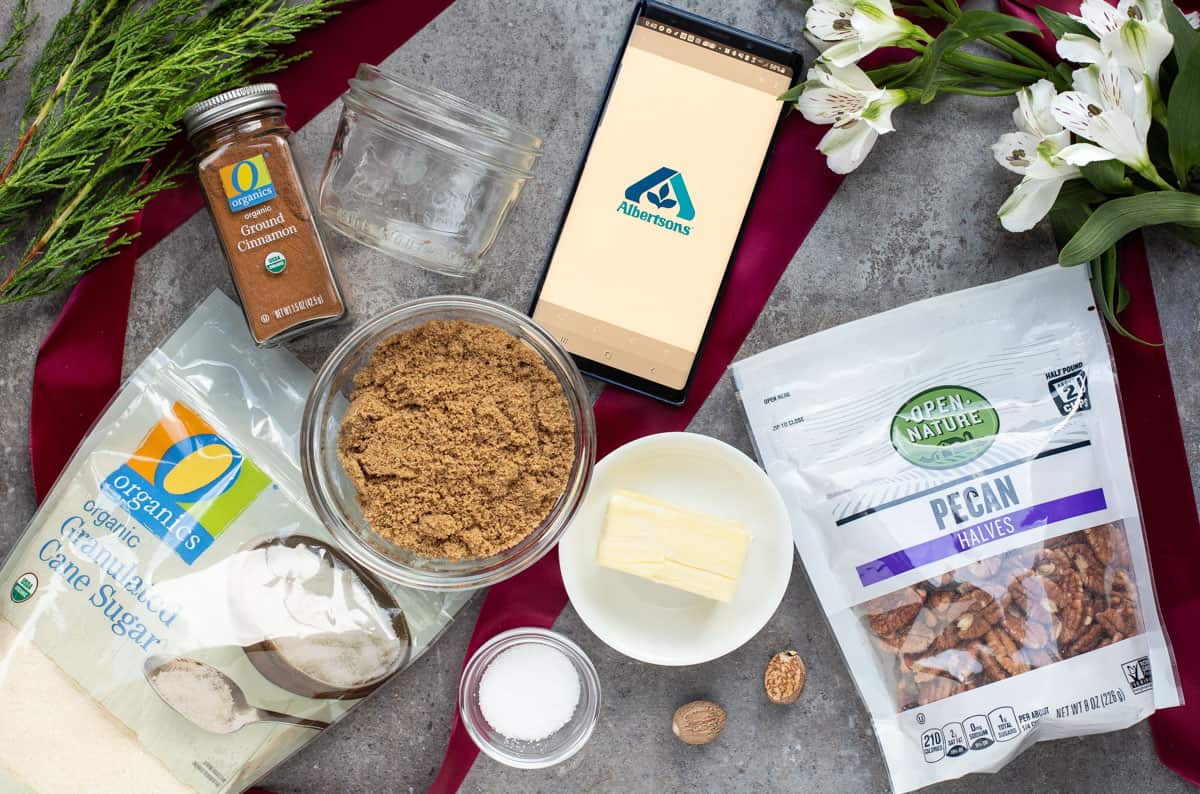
18, 33
106, 95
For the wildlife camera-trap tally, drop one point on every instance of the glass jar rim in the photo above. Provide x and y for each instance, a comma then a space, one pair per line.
401, 128
401, 91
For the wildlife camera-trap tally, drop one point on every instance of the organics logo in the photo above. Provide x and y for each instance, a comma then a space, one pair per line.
247, 183
665, 190
185, 483
944, 427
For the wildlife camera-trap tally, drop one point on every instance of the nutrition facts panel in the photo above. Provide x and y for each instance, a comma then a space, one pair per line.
977, 732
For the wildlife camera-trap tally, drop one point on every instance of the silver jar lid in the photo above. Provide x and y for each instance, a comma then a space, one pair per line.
222, 107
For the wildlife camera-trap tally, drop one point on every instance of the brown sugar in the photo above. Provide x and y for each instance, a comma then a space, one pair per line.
458, 439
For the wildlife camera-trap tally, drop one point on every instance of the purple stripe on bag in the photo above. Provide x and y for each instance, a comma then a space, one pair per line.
979, 534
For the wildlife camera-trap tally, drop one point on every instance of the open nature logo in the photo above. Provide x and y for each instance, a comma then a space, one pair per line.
944, 427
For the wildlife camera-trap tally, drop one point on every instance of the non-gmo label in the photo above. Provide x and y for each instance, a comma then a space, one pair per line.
944, 427
275, 262
1137, 674
24, 588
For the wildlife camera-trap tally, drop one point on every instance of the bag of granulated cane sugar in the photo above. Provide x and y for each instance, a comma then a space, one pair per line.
175, 582
959, 487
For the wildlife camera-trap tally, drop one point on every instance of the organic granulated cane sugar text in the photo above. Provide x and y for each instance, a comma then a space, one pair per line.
459, 439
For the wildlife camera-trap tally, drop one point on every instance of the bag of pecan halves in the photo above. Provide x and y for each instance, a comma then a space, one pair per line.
960, 492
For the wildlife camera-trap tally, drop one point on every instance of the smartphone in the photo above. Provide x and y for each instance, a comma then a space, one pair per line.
660, 200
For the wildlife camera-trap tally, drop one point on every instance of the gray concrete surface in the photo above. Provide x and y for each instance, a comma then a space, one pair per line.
916, 220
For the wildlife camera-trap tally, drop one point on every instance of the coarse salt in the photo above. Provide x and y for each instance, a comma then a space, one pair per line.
529, 691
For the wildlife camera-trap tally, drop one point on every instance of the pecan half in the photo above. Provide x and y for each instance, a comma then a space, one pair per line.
1100, 539
1005, 651
936, 689
892, 613
1025, 632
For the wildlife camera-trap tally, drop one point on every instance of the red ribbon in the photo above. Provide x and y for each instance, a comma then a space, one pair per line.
79, 365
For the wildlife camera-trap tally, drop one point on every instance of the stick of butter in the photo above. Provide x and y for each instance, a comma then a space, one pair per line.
667, 544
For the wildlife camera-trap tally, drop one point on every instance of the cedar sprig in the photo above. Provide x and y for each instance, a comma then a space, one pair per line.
18, 32
107, 95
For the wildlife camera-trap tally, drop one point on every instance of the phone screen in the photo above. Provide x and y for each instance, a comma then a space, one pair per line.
668, 179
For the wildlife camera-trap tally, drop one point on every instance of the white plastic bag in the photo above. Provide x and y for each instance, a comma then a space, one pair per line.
960, 492
177, 554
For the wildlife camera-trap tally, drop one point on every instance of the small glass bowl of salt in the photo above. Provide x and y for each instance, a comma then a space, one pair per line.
529, 698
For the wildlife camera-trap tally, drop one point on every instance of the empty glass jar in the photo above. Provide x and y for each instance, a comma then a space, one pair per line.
422, 175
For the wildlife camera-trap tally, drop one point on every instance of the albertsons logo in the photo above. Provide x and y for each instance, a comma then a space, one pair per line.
666, 191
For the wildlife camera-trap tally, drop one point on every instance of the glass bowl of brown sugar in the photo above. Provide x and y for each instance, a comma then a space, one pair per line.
447, 443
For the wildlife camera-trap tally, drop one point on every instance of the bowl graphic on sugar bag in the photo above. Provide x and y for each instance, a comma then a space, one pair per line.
314, 622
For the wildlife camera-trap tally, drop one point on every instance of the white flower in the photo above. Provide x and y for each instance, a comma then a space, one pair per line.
1193, 18
858, 110
1034, 153
1134, 34
1110, 107
856, 28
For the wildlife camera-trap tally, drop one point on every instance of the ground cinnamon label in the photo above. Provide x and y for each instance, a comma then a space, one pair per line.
263, 217
458, 439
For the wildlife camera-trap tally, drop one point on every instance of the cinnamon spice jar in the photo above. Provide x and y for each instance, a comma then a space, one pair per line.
281, 267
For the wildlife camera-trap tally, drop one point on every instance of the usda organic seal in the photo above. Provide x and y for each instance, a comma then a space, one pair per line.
944, 427
275, 262
25, 587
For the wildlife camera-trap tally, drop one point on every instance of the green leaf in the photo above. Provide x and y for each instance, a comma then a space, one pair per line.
1110, 292
1061, 24
1116, 218
793, 93
1107, 176
978, 23
973, 24
1077, 193
1183, 121
914, 10
1067, 220
1186, 37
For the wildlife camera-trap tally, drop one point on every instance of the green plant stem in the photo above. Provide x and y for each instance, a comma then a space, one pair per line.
940, 10
1158, 111
1151, 173
955, 89
991, 66
980, 64
887, 75
950, 13
1019, 51
62, 216
63, 81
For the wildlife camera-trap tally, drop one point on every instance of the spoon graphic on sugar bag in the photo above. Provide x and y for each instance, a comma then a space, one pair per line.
209, 699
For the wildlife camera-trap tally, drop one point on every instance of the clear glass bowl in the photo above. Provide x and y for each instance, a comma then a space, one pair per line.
423, 175
557, 747
333, 494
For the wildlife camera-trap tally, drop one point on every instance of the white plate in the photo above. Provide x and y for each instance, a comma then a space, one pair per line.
654, 623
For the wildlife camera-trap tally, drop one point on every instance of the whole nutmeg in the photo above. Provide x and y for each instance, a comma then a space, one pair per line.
784, 678
698, 722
